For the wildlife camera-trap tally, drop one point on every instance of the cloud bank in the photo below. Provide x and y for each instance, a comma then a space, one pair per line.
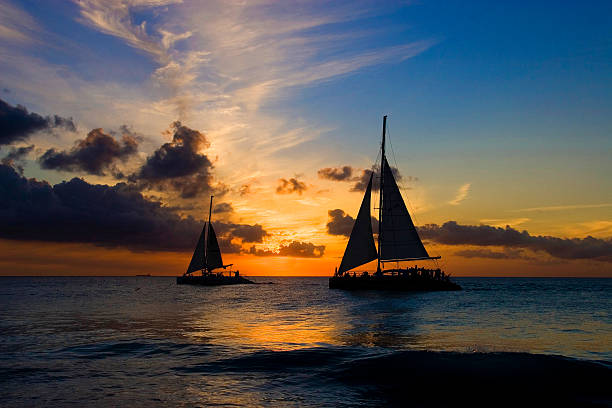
451, 233
109, 216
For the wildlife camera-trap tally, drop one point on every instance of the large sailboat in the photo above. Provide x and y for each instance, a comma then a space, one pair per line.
398, 241
207, 258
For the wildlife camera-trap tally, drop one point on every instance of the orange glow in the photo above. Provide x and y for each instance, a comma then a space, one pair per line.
43, 258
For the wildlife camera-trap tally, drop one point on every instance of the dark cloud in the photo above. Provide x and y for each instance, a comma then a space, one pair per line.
294, 249
361, 181
179, 165
341, 223
15, 157
16, 123
245, 232
343, 173
508, 253
293, 185
302, 250
228, 246
95, 154
451, 233
110, 216
223, 208
76, 211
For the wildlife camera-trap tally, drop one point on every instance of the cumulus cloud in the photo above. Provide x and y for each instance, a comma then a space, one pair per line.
223, 208
451, 233
17, 124
16, 156
361, 181
343, 173
94, 155
293, 185
179, 165
340, 223
111, 216
245, 232
294, 249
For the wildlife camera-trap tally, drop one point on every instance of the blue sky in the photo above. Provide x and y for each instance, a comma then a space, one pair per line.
503, 109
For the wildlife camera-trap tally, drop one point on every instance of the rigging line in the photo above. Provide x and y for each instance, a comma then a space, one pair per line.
401, 184
376, 193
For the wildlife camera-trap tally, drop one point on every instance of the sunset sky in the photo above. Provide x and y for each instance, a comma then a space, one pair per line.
119, 119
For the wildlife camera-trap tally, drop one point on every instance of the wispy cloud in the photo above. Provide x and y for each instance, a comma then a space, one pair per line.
239, 55
502, 222
16, 25
565, 207
462, 194
114, 17
598, 228
215, 67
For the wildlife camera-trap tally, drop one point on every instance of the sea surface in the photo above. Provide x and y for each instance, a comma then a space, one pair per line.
145, 341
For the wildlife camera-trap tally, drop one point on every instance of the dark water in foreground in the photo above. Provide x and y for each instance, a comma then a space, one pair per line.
148, 342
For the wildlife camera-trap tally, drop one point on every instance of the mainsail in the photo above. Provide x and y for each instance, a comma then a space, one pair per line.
399, 239
213, 253
360, 248
197, 260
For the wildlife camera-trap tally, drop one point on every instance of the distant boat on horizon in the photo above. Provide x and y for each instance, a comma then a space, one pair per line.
207, 258
398, 241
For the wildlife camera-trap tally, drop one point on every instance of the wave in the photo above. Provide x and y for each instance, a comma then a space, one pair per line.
427, 378
322, 376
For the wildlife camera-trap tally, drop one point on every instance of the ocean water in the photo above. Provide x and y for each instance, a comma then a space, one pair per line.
145, 341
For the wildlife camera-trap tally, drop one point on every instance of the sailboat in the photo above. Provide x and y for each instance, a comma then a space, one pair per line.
207, 258
398, 241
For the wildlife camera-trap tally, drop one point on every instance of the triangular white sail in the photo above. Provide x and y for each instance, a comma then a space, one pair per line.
360, 248
399, 239
197, 260
213, 252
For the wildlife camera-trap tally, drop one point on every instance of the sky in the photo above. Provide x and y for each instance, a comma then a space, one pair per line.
120, 118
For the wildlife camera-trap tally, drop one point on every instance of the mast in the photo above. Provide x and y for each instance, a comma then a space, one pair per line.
380, 190
206, 239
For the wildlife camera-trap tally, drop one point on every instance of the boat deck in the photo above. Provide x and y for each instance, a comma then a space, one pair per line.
212, 280
391, 282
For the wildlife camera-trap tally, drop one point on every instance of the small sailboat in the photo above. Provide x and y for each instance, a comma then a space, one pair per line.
398, 241
207, 258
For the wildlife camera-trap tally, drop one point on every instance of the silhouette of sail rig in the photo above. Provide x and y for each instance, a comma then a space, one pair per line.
207, 258
398, 241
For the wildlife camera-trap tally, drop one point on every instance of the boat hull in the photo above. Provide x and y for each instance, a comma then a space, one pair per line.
395, 283
212, 280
